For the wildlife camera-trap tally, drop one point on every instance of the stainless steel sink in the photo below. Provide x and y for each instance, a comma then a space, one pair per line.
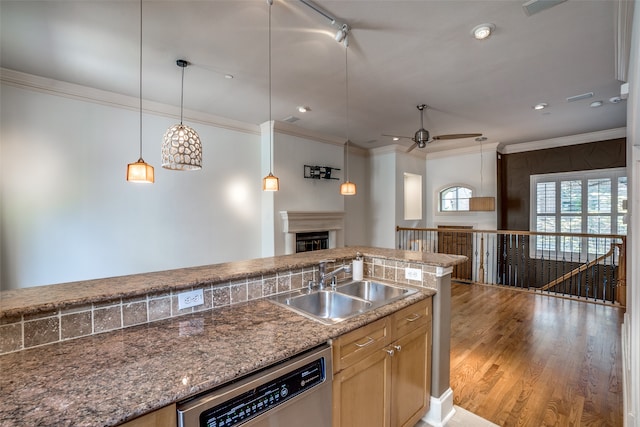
342, 302
325, 306
374, 291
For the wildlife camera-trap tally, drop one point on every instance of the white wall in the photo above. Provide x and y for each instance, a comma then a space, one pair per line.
291, 153
357, 228
68, 213
632, 317
462, 167
386, 198
382, 198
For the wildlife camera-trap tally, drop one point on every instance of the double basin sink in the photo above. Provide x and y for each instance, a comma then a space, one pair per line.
341, 302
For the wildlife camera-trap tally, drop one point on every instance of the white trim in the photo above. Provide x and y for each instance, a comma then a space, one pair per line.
112, 99
398, 149
441, 409
564, 141
487, 147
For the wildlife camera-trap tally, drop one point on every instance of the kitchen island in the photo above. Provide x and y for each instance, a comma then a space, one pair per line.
106, 378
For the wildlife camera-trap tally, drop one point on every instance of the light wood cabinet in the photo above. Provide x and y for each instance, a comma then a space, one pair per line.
382, 371
164, 417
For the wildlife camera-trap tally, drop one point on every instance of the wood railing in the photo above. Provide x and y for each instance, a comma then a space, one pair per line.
589, 266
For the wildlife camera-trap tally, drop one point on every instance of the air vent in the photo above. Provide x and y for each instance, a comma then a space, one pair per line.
579, 97
534, 6
291, 119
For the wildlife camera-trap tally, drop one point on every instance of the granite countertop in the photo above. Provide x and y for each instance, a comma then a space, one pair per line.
106, 379
46, 298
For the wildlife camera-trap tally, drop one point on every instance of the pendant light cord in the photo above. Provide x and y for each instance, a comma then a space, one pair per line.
140, 79
346, 72
481, 173
182, 92
270, 125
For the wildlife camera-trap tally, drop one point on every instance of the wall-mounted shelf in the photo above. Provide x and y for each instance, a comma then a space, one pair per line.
319, 172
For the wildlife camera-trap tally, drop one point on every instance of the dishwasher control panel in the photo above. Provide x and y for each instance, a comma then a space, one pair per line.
256, 398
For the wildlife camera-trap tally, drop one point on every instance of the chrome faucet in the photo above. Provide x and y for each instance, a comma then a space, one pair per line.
331, 275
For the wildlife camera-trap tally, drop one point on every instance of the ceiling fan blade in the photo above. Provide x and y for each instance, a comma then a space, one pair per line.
398, 136
415, 144
457, 136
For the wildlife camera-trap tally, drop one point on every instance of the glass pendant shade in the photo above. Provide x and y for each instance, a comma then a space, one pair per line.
181, 148
140, 172
270, 183
348, 188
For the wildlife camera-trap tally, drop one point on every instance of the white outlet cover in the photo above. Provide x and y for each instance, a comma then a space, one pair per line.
190, 299
413, 274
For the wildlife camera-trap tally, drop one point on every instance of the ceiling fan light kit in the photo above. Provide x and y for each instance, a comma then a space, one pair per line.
422, 137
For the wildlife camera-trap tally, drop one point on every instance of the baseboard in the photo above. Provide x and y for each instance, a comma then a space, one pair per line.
440, 410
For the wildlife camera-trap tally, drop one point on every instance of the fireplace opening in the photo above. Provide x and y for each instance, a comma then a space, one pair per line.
312, 241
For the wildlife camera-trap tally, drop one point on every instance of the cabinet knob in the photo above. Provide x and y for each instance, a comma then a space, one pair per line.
389, 351
397, 347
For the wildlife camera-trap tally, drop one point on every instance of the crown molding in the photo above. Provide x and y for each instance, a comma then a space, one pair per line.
564, 141
397, 149
112, 99
473, 149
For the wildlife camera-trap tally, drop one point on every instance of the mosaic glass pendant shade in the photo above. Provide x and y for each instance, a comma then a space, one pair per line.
181, 148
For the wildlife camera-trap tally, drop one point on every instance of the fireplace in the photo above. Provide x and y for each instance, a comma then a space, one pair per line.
312, 241
312, 230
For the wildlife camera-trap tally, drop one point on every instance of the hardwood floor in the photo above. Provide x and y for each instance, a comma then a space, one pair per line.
522, 359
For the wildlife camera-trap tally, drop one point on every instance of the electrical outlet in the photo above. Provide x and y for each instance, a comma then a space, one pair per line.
413, 274
190, 299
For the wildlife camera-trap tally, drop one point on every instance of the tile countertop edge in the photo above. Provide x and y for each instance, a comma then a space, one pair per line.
50, 297
105, 380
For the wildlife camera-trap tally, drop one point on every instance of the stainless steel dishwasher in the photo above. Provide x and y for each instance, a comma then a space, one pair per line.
291, 393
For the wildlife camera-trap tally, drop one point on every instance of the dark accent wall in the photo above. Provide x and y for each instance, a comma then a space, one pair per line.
514, 171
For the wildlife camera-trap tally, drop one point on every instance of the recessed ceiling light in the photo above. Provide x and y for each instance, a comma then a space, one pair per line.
615, 100
596, 104
228, 76
303, 109
482, 31
540, 106
395, 138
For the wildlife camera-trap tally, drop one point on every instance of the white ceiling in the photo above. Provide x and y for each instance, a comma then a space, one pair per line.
401, 53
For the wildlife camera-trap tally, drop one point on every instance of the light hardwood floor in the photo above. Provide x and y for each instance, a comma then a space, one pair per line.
522, 359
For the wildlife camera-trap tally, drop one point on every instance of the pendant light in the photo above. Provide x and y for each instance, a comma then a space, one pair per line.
140, 171
482, 204
181, 146
270, 182
347, 188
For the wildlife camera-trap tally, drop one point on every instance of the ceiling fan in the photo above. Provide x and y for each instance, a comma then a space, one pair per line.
421, 137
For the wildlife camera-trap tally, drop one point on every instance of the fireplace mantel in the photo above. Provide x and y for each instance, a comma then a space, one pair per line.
303, 222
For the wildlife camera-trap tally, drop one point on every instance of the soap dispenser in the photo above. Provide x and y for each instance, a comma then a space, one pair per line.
358, 267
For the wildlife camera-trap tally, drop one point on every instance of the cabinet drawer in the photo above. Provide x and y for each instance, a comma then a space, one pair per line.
412, 317
356, 345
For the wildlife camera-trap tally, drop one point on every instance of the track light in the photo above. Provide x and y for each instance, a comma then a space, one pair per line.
342, 33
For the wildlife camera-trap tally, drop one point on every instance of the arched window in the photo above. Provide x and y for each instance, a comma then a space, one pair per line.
455, 199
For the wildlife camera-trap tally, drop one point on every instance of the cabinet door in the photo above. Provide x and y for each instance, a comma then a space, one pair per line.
361, 393
411, 377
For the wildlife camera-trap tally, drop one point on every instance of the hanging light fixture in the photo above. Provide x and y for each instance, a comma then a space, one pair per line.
140, 171
347, 188
181, 146
482, 204
270, 182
